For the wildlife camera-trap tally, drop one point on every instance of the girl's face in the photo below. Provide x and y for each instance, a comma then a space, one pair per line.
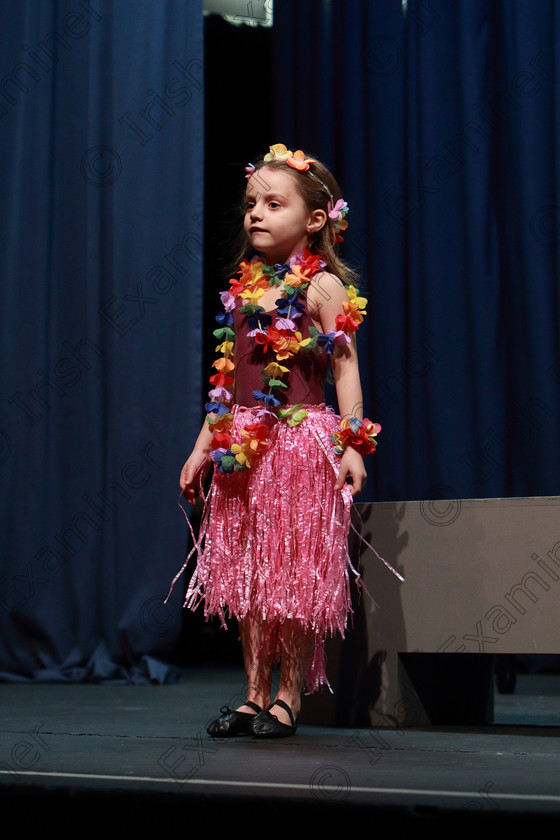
277, 220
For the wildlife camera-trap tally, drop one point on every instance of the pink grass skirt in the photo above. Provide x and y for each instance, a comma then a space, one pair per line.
273, 540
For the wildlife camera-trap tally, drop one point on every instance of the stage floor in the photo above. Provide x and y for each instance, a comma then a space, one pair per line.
72, 751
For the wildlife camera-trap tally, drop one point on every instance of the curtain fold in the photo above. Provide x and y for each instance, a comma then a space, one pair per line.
101, 126
440, 121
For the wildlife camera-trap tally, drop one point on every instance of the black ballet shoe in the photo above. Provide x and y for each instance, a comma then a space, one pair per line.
266, 725
232, 723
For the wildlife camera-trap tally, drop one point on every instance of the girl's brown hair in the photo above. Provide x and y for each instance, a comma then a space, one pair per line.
317, 187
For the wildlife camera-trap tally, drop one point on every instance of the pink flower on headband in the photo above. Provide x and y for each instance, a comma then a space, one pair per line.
249, 169
337, 212
299, 161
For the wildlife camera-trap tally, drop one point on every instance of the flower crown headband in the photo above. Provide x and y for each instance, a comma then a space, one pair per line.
337, 211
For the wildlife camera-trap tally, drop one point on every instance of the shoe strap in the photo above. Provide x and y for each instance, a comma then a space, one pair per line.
253, 706
286, 708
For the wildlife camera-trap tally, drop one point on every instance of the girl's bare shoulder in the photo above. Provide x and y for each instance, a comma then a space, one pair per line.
324, 289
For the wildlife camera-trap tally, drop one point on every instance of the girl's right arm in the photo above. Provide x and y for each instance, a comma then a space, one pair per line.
199, 459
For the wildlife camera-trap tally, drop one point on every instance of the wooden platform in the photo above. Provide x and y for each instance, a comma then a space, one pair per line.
482, 578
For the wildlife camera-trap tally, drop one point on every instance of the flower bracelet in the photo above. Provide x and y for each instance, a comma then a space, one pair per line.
359, 434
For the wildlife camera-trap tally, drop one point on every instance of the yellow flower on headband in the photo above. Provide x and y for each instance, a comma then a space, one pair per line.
295, 159
278, 152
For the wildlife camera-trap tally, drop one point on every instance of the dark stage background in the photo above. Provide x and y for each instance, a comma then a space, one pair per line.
441, 124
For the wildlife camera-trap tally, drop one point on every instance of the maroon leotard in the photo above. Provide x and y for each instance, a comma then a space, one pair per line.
308, 369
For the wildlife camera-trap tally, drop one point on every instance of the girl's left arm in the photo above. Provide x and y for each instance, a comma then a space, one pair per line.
325, 296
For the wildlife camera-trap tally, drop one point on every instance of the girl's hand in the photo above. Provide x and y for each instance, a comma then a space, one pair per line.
352, 465
198, 461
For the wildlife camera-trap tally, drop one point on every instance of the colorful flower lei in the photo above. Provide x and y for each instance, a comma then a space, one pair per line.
359, 434
276, 332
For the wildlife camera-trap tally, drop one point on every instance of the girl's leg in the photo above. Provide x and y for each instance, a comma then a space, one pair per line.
298, 647
257, 660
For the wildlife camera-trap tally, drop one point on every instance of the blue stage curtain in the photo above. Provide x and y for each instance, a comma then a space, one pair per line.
441, 121
101, 130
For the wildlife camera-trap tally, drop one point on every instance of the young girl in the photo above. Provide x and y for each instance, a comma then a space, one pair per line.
286, 467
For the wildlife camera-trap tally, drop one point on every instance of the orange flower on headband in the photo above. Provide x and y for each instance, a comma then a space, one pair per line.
299, 161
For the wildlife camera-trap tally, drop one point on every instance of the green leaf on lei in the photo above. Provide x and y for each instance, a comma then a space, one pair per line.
250, 308
224, 332
270, 272
293, 415
228, 462
311, 343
